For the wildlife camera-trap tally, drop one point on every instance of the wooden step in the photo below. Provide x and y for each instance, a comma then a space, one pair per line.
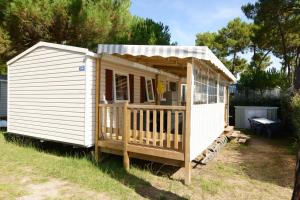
229, 129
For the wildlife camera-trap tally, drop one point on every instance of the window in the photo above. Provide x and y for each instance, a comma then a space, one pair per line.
200, 87
173, 86
221, 93
183, 92
149, 90
121, 84
212, 90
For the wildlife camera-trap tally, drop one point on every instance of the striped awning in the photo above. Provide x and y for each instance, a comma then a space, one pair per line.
199, 52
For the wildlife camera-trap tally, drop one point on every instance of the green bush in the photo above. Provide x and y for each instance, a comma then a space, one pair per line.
295, 114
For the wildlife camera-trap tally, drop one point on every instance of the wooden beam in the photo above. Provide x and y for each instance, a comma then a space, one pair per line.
111, 144
187, 162
158, 152
97, 94
166, 161
126, 119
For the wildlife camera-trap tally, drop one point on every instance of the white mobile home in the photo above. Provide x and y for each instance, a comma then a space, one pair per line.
162, 103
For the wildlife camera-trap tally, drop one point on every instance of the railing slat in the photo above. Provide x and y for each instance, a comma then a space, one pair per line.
169, 129
141, 137
105, 121
134, 125
117, 122
176, 131
161, 128
111, 120
100, 123
183, 129
147, 126
154, 128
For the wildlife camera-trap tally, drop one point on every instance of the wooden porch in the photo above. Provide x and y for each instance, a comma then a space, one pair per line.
147, 132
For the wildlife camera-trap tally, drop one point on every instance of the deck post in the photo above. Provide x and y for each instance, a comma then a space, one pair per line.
227, 105
97, 94
126, 117
187, 162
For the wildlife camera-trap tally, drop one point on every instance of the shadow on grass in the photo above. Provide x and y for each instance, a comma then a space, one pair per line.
269, 160
112, 166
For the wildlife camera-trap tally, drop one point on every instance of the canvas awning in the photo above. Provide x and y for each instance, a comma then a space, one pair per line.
182, 52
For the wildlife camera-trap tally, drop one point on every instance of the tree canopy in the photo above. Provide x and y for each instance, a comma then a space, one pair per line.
83, 23
278, 30
228, 43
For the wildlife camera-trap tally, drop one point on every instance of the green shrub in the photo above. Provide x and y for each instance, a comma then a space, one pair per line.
295, 114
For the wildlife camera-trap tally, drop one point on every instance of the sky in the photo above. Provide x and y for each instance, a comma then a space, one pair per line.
186, 18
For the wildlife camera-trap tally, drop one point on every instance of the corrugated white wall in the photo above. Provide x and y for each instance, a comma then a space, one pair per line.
47, 95
207, 123
3, 98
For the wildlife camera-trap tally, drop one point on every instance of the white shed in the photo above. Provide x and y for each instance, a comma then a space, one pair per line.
244, 113
48, 93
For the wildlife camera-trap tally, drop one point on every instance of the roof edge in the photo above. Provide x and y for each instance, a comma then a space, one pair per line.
52, 45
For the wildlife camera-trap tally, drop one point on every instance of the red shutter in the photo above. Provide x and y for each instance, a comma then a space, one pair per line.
154, 87
131, 87
109, 85
142, 89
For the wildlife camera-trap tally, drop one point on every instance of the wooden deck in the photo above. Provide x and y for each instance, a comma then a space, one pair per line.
142, 131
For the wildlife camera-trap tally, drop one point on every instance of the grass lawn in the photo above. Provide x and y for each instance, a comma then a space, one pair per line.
263, 169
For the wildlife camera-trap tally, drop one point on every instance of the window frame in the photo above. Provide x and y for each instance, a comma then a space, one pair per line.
147, 93
115, 86
212, 90
221, 85
183, 85
200, 82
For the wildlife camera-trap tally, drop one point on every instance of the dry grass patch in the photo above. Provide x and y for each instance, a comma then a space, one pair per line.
263, 169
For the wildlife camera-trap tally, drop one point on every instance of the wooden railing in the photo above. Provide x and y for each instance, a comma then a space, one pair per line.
154, 125
144, 125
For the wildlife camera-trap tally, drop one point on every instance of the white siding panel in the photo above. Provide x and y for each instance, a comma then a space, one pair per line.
47, 96
56, 120
46, 60
46, 135
90, 116
207, 123
49, 73
64, 87
51, 104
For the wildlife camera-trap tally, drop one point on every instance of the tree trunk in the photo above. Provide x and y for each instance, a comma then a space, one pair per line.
284, 48
297, 71
296, 193
233, 63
